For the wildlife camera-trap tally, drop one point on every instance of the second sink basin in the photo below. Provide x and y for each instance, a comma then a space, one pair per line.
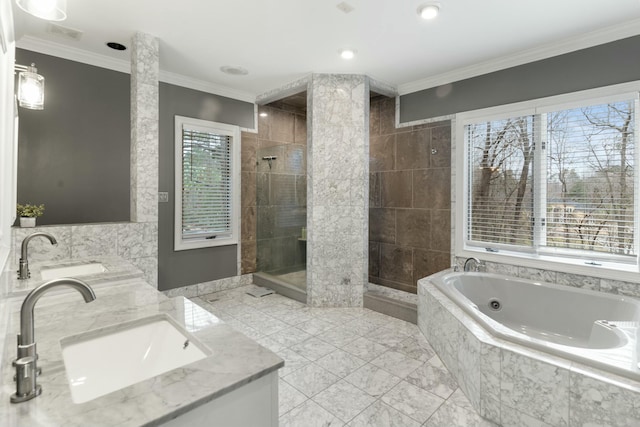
100, 362
72, 270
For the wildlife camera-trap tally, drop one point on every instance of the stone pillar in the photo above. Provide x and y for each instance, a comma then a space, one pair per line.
337, 190
144, 145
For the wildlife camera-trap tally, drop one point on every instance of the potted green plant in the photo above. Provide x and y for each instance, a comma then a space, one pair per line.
28, 214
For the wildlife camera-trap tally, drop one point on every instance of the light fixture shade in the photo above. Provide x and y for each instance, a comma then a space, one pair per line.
51, 10
31, 89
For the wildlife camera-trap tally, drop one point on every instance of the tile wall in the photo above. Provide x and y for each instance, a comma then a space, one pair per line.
274, 198
409, 198
337, 171
592, 283
134, 242
145, 69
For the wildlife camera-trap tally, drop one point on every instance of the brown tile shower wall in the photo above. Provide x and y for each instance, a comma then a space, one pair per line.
274, 196
409, 199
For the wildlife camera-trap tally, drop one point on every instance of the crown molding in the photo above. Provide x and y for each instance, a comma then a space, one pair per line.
291, 88
205, 86
124, 66
594, 38
46, 47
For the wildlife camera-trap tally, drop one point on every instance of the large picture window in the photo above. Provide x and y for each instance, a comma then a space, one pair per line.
207, 183
554, 180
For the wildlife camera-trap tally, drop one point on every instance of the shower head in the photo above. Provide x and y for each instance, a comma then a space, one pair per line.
269, 159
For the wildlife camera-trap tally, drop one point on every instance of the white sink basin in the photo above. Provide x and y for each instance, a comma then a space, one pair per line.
72, 270
100, 362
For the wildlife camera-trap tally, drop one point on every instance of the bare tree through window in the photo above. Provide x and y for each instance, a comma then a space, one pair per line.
587, 155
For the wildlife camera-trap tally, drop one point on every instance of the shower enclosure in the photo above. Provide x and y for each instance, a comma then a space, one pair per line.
281, 198
281, 189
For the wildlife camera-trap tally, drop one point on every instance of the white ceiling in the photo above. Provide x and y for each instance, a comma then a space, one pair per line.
279, 41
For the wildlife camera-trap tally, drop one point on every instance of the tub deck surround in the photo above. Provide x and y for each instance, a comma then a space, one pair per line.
593, 328
593, 283
117, 268
514, 385
235, 360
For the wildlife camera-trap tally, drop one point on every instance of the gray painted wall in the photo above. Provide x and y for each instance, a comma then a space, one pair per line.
603, 65
176, 269
73, 156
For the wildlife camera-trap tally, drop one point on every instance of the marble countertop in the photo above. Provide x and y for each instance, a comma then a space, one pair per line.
234, 360
117, 270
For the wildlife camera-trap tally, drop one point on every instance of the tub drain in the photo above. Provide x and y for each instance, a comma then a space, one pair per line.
495, 305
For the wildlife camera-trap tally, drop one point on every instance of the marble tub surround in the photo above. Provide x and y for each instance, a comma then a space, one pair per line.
136, 243
409, 199
118, 269
612, 286
513, 385
235, 360
337, 188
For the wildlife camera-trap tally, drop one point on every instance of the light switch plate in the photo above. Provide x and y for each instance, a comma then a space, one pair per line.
163, 196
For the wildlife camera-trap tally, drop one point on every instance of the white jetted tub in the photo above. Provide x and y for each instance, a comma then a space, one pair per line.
590, 327
531, 353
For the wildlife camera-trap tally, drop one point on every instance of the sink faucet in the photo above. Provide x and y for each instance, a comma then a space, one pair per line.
23, 272
476, 267
26, 364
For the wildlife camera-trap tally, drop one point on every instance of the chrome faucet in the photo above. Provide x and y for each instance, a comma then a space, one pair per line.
476, 261
26, 363
23, 272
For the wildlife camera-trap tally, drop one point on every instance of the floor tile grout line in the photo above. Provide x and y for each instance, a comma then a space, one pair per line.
354, 417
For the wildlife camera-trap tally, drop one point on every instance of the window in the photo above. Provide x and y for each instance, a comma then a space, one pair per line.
207, 183
553, 180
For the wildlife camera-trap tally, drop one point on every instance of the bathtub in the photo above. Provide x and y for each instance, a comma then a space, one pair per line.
593, 328
530, 353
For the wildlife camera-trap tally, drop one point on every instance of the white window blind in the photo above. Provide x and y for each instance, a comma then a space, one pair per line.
206, 160
206, 184
560, 181
590, 178
500, 173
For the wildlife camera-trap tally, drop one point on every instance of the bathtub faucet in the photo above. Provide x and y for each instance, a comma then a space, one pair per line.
478, 264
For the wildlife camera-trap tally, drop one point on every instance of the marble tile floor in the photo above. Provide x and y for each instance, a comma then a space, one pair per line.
347, 367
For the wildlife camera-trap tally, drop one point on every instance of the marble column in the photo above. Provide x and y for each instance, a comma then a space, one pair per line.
337, 189
144, 145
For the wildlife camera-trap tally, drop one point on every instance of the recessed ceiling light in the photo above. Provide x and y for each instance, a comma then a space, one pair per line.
116, 46
429, 10
234, 70
347, 53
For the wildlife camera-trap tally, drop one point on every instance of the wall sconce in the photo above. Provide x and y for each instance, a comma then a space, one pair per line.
30, 87
51, 10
